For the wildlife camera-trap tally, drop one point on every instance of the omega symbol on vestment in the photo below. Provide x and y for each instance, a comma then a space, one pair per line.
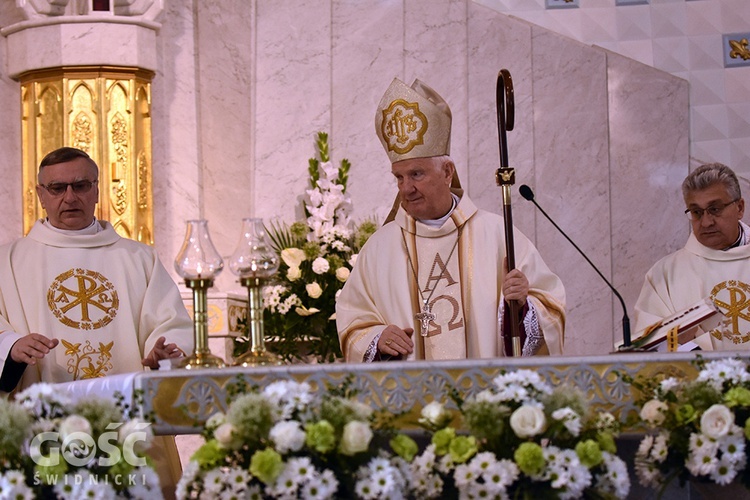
83, 299
403, 126
732, 297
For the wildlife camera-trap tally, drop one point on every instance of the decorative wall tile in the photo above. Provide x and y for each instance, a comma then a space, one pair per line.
736, 49
561, 4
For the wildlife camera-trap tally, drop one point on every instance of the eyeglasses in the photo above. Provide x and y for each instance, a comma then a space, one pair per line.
59, 188
696, 214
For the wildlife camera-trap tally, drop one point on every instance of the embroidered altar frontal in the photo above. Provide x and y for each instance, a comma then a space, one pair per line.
180, 401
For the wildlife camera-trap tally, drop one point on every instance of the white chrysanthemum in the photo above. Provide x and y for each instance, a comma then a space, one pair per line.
725, 472
464, 475
287, 436
292, 301
289, 396
189, 473
614, 480
731, 370
502, 473
669, 384
660, 450
732, 447
43, 400
520, 386
13, 485
213, 482
145, 484
701, 463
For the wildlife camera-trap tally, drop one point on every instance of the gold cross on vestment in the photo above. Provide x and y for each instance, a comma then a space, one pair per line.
424, 318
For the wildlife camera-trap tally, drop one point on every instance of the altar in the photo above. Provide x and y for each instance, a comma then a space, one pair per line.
181, 401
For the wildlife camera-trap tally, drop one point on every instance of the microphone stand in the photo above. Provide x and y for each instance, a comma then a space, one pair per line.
505, 178
528, 194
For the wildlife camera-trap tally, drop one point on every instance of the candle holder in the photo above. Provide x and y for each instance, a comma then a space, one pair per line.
255, 262
199, 263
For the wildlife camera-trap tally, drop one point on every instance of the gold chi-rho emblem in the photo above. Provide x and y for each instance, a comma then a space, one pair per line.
733, 299
403, 126
83, 299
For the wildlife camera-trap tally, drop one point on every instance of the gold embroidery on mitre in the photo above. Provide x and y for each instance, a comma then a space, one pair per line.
404, 126
732, 297
88, 362
83, 299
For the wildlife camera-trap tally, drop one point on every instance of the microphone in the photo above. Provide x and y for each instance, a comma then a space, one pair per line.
528, 194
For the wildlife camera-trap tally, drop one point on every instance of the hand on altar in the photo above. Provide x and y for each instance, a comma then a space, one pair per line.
161, 351
515, 285
396, 342
32, 347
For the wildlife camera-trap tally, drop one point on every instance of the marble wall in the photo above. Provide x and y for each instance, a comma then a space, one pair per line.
241, 89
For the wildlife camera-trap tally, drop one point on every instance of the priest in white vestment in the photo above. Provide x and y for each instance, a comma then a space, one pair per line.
714, 263
432, 282
78, 301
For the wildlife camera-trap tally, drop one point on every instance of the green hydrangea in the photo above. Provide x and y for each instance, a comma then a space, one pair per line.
606, 442
589, 453
442, 440
463, 448
210, 455
684, 414
737, 396
321, 436
50, 474
530, 458
266, 465
404, 446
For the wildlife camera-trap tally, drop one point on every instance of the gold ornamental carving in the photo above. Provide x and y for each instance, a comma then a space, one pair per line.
105, 111
739, 49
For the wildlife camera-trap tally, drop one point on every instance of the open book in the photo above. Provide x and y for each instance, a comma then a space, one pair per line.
677, 332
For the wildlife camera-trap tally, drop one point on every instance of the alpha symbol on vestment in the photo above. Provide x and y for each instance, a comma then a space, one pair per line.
83, 299
732, 297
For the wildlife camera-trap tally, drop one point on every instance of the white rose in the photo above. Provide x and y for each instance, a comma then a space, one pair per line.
138, 433
224, 435
527, 421
313, 290
653, 412
287, 436
342, 274
356, 438
353, 260
74, 424
717, 421
320, 266
293, 273
435, 414
293, 257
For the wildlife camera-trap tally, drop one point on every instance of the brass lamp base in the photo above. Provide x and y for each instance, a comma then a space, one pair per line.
200, 360
255, 357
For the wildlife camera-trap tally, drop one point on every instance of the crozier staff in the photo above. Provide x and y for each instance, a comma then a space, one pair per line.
431, 283
78, 301
715, 261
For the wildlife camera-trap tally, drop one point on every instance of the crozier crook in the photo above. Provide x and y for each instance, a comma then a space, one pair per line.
505, 178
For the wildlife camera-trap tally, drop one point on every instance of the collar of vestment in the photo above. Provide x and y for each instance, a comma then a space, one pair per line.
43, 234
463, 212
737, 253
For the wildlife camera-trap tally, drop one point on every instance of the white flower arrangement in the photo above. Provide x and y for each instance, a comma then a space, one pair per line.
283, 442
52, 447
699, 427
317, 256
524, 439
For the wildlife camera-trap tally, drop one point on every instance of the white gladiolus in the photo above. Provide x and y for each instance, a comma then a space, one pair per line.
320, 266
717, 421
293, 257
356, 438
342, 274
313, 290
653, 412
527, 421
